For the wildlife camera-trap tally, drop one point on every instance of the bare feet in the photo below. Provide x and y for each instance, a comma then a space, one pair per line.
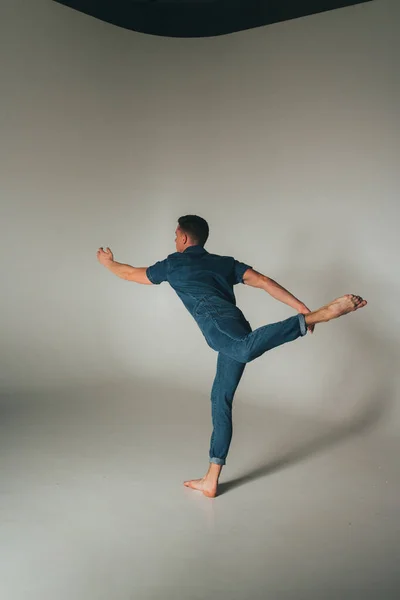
208, 487
344, 305
337, 308
209, 483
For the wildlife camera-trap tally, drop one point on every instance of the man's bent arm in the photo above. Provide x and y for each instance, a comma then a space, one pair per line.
258, 280
127, 272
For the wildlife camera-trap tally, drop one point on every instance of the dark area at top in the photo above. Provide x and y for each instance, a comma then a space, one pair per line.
200, 18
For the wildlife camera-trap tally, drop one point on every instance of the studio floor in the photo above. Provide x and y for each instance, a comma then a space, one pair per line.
93, 507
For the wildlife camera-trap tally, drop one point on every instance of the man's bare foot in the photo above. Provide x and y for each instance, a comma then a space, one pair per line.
344, 305
208, 487
209, 483
339, 307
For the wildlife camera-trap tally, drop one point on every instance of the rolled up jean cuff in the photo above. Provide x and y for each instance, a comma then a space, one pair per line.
217, 461
303, 325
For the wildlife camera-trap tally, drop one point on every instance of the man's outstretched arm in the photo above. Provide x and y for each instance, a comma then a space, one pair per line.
127, 272
258, 280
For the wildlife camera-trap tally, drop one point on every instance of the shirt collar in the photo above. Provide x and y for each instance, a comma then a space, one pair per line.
195, 249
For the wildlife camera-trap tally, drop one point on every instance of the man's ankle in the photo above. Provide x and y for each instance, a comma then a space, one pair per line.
319, 316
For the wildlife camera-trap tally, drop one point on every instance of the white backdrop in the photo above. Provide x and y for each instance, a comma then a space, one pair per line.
285, 138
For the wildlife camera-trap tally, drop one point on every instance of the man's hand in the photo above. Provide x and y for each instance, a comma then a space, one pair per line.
127, 272
105, 256
303, 310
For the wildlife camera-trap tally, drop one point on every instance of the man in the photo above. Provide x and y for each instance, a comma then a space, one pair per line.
204, 282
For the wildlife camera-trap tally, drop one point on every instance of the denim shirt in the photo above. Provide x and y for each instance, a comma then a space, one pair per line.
196, 275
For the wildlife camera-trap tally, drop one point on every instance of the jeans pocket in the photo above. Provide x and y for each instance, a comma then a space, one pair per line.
200, 309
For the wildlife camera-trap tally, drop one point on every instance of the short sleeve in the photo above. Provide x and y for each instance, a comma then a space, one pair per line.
239, 270
157, 273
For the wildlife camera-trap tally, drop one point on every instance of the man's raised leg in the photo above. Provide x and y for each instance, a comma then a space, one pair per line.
245, 348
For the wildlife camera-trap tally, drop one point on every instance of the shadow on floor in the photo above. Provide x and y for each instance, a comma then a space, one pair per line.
364, 421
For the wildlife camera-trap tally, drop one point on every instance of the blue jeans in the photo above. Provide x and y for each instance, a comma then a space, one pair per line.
227, 332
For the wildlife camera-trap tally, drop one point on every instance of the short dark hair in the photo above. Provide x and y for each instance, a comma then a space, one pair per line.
195, 227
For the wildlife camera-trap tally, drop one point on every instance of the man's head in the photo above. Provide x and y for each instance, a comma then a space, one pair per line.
191, 231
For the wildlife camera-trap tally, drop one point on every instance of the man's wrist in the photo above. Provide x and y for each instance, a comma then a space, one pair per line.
300, 307
109, 264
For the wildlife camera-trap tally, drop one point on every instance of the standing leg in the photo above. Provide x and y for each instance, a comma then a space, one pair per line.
227, 378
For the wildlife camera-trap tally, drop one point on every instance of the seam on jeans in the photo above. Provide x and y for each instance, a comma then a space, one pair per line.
215, 322
213, 405
224, 332
201, 301
223, 315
